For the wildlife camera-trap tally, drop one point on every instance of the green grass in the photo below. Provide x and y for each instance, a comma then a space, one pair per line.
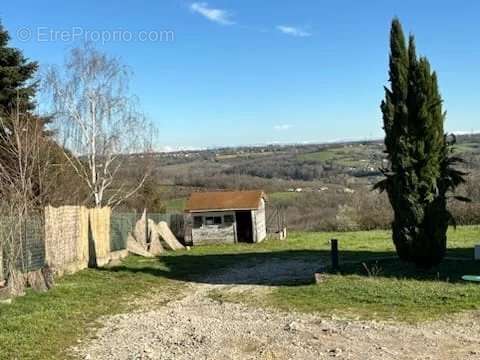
466, 147
322, 156
248, 155
341, 156
42, 326
176, 204
285, 198
356, 296
397, 292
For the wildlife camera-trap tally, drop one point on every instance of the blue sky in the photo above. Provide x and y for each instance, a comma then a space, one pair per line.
253, 72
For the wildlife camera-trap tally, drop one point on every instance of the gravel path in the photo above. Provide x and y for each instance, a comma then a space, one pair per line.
198, 327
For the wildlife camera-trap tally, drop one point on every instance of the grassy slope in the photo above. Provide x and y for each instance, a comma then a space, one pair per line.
41, 326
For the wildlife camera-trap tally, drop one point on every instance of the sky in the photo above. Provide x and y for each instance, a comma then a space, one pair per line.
248, 72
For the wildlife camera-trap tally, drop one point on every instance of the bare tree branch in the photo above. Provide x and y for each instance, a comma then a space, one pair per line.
97, 121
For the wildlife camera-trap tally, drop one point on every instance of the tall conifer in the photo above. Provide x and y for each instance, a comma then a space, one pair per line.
420, 172
16, 74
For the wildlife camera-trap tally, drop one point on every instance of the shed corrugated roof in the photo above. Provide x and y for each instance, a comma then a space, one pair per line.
224, 200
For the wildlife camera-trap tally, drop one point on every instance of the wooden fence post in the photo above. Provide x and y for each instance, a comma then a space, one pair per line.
147, 237
334, 253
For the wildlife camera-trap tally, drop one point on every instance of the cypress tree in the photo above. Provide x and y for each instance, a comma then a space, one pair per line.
420, 172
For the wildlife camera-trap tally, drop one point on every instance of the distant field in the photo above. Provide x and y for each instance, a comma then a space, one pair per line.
176, 205
356, 155
348, 156
278, 168
283, 196
248, 155
467, 147
324, 155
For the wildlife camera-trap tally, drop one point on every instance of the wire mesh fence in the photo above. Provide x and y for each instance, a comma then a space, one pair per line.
22, 243
33, 244
121, 224
158, 217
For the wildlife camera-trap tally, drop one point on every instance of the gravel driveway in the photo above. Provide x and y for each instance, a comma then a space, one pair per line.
198, 327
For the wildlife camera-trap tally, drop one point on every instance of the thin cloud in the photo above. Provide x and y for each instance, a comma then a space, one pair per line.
282, 127
293, 31
218, 16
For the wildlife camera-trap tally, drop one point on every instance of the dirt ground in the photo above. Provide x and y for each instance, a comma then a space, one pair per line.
199, 327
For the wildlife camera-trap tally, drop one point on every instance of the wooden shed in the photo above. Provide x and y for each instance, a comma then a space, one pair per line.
227, 217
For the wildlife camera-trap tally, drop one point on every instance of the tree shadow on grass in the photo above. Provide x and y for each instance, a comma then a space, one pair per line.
450, 270
295, 267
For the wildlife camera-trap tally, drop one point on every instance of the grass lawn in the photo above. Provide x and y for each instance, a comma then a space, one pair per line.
42, 326
393, 290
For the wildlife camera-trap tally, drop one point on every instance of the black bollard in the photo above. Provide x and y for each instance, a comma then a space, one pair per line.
334, 253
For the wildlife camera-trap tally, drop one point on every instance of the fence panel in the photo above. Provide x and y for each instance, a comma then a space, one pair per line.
175, 221
177, 225
30, 256
99, 236
66, 238
30, 235
5, 226
275, 219
157, 217
120, 225
33, 244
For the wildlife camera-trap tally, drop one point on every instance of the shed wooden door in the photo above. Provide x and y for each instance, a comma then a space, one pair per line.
244, 226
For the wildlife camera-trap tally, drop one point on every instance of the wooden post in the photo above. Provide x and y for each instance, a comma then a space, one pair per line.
147, 240
334, 253
278, 221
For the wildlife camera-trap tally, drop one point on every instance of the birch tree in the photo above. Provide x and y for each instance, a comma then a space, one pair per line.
97, 122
